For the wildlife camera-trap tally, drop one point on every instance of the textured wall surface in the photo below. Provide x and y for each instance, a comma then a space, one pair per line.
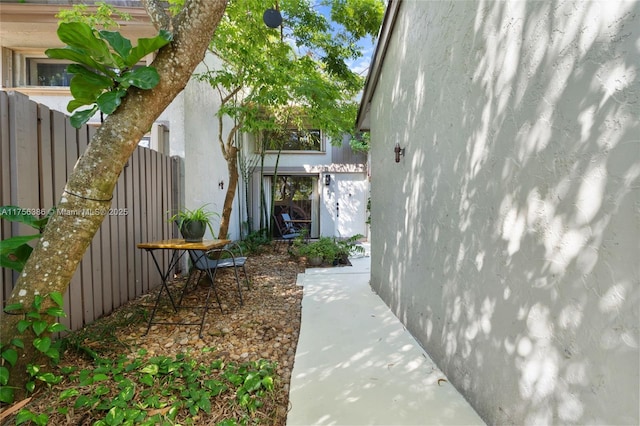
508, 237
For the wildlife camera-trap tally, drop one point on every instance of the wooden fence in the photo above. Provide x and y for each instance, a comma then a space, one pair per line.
38, 151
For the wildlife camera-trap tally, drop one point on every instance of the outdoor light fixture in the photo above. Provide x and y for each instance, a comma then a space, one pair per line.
272, 18
327, 180
399, 151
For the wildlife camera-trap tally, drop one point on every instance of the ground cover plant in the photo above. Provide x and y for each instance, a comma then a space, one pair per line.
110, 373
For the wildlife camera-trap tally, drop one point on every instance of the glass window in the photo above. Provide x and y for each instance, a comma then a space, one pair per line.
47, 72
294, 140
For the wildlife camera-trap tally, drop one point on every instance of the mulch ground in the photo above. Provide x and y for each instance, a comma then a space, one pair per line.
266, 326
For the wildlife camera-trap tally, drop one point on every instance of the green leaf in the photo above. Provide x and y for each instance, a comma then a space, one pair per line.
50, 378
147, 379
74, 55
115, 416
56, 296
56, 312
204, 404
17, 343
82, 37
100, 377
42, 344
30, 386
267, 382
11, 244
120, 44
79, 118
57, 327
150, 369
127, 393
6, 394
23, 416
109, 101
4, 375
10, 355
89, 76
13, 307
146, 46
53, 354
68, 393
39, 327
23, 325
74, 104
84, 90
143, 77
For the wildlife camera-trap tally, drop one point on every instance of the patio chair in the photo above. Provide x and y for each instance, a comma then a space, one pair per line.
286, 229
221, 258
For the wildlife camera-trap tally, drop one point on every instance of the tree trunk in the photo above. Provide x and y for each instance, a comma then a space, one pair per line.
232, 166
88, 192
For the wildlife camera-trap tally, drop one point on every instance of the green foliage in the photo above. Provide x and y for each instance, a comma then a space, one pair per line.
254, 241
361, 143
331, 250
40, 322
15, 251
293, 78
104, 67
160, 390
103, 16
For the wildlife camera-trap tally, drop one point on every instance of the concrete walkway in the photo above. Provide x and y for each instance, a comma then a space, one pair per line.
356, 364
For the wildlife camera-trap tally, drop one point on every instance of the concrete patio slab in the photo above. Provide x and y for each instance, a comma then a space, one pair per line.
355, 363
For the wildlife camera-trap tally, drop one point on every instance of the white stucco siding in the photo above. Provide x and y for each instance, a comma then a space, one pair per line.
205, 166
508, 237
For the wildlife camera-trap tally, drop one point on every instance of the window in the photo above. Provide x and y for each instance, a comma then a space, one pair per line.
47, 72
293, 140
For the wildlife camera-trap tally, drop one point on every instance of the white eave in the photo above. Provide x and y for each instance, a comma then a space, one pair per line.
388, 22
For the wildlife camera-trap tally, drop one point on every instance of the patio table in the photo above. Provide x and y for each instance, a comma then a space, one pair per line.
180, 247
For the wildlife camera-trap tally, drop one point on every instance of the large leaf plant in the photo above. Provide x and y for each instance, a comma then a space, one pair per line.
104, 67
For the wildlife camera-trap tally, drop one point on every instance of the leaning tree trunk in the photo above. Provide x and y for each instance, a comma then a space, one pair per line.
231, 156
89, 189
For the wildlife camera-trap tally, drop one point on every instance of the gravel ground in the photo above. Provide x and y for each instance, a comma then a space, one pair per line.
266, 326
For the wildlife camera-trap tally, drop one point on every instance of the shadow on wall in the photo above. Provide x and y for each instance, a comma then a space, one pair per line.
513, 252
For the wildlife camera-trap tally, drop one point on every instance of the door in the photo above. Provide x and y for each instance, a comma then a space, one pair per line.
297, 196
351, 204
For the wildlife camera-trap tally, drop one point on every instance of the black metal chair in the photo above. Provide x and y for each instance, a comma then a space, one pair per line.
230, 256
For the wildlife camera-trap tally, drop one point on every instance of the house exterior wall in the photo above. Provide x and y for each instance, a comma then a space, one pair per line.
508, 237
348, 183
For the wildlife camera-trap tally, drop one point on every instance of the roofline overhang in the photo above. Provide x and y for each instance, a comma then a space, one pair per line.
45, 13
388, 22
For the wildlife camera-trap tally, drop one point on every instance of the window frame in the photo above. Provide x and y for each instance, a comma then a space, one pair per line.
321, 148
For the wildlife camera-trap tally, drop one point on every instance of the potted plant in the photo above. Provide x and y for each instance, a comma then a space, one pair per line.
193, 223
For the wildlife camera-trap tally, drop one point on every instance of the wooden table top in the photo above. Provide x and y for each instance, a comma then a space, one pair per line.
181, 244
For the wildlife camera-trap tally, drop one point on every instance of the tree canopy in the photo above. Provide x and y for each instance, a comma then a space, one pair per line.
290, 77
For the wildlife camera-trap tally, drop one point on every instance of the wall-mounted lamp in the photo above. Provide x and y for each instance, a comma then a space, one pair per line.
221, 184
327, 180
399, 151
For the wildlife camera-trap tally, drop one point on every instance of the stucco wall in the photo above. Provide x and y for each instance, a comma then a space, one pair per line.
508, 238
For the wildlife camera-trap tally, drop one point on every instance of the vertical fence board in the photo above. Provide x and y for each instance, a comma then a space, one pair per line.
131, 249
59, 177
113, 271
75, 286
86, 266
6, 277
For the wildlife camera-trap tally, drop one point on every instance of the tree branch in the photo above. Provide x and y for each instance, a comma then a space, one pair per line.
158, 14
